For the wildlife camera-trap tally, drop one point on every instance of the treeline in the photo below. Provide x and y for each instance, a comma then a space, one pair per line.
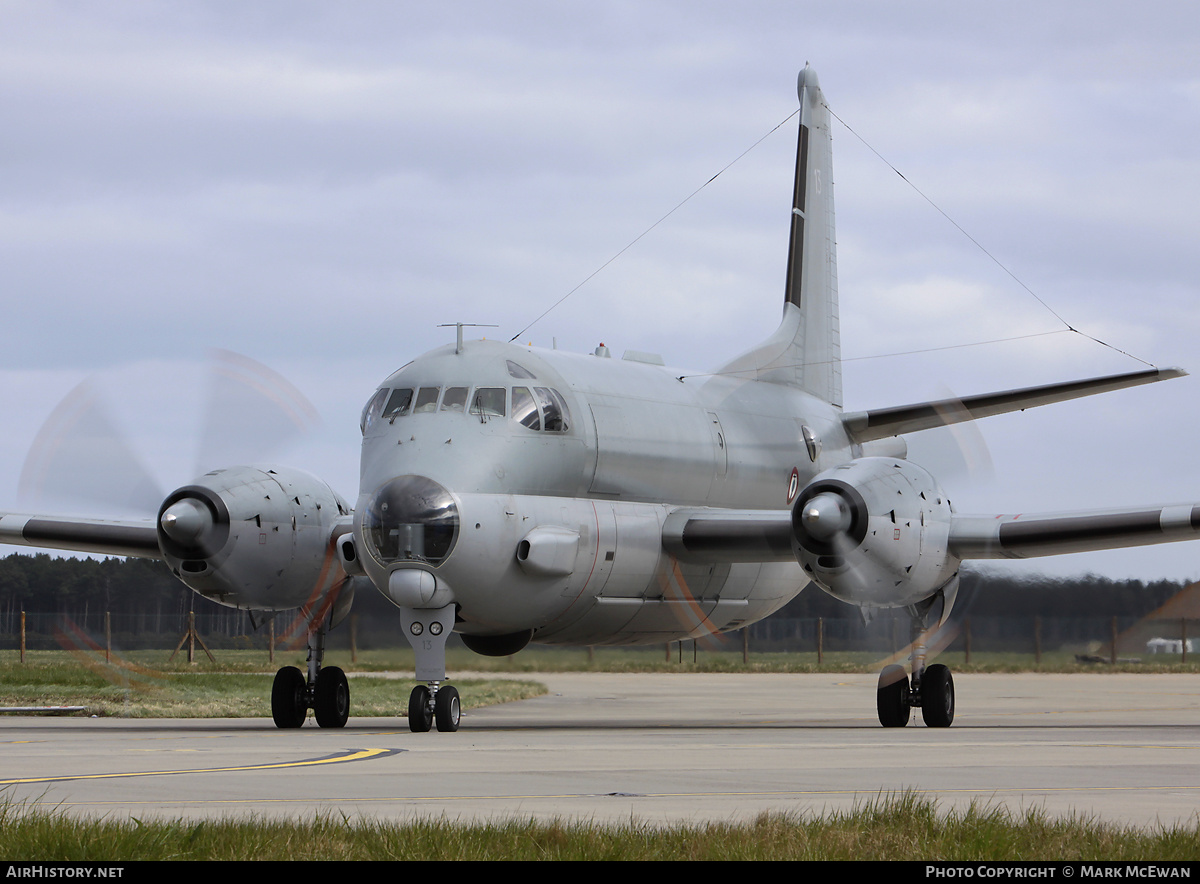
986, 593
54, 585
44, 584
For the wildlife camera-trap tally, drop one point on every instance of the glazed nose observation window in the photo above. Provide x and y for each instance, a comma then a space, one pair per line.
411, 518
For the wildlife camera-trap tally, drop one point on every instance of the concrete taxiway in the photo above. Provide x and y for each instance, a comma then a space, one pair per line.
652, 747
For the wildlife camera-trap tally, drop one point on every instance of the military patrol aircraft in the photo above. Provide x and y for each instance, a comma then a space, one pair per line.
512, 494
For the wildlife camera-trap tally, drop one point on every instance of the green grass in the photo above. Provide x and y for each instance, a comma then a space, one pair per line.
616, 659
134, 688
898, 827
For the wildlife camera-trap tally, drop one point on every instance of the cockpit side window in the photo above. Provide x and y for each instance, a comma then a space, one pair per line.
524, 409
427, 398
398, 403
489, 401
372, 409
554, 409
455, 399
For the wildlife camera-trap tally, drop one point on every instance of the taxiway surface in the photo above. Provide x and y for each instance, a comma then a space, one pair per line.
653, 747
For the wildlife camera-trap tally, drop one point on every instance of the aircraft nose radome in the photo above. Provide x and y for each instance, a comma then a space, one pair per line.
808, 77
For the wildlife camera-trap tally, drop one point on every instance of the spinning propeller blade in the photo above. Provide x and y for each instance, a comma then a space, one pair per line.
83, 462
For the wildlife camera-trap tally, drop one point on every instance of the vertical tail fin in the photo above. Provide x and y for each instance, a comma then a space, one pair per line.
805, 351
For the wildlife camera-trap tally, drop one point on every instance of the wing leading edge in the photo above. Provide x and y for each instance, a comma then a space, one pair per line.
864, 426
102, 536
1027, 536
698, 535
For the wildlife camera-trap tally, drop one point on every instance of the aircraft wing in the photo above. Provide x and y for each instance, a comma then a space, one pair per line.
713, 535
102, 536
864, 426
1026, 536
716, 535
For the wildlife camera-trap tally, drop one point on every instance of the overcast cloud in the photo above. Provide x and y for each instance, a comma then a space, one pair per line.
319, 185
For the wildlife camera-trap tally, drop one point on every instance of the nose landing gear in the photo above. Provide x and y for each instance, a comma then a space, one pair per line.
429, 705
432, 703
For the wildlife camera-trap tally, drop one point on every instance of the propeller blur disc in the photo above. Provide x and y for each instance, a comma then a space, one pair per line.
84, 462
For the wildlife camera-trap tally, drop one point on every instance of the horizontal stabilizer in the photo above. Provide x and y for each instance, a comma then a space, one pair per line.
863, 426
101, 536
1028, 536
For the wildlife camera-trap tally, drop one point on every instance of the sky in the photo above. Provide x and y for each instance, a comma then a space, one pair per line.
320, 186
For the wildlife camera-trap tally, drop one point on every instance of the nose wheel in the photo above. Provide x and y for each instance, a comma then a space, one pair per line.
437, 705
431, 703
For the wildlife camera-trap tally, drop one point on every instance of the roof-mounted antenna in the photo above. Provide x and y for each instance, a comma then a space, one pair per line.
460, 326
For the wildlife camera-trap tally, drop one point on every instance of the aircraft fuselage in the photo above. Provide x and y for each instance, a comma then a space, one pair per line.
560, 509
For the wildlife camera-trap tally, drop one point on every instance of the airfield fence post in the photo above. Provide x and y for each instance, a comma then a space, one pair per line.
191, 636
1037, 640
667, 648
271, 642
820, 640
1183, 639
22, 635
745, 645
107, 636
1113, 631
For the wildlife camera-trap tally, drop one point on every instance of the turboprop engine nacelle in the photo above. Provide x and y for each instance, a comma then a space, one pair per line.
874, 532
256, 537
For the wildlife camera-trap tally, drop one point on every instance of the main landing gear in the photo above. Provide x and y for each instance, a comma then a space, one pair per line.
325, 690
327, 693
931, 688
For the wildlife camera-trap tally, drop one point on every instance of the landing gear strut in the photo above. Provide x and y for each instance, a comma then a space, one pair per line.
931, 688
432, 703
325, 690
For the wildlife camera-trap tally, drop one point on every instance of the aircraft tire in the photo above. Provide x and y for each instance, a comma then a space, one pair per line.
937, 696
420, 717
289, 705
331, 698
447, 710
891, 699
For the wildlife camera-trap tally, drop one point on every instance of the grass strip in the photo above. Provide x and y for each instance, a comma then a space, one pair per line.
139, 692
889, 827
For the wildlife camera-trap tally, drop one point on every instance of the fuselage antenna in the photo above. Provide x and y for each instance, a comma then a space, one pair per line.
458, 348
